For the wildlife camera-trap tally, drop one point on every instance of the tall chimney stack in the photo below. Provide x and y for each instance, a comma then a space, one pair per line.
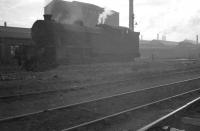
197, 39
131, 15
5, 24
157, 36
141, 37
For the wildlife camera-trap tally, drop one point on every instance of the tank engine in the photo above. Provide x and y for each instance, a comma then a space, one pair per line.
58, 43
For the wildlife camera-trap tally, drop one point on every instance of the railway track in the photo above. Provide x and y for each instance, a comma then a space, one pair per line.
4, 95
134, 118
80, 116
185, 118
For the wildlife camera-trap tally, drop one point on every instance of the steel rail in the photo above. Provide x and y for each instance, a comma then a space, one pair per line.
100, 99
136, 108
154, 123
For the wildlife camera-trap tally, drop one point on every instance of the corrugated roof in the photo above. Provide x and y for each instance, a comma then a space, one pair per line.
15, 32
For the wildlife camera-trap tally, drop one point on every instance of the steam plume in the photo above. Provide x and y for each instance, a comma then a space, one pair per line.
46, 2
103, 16
64, 12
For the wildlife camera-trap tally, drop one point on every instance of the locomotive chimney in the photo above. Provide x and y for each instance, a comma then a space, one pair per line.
131, 15
47, 17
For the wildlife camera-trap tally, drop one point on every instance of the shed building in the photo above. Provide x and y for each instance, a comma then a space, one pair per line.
11, 39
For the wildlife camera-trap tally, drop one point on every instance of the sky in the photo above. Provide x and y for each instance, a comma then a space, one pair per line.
177, 19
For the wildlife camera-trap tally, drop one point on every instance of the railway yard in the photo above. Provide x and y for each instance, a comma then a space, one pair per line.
79, 69
117, 96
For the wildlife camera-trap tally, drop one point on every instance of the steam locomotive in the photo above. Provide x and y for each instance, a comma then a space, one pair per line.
58, 43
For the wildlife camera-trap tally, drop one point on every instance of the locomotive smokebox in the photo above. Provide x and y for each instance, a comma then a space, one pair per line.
47, 17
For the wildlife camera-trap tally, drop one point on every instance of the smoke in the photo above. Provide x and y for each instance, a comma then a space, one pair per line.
171, 29
68, 15
195, 20
103, 16
50, 6
64, 12
188, 28
46, 2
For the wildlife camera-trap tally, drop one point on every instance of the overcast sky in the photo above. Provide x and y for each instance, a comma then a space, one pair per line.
178, 19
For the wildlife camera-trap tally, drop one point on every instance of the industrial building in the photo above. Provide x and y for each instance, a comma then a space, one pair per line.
75, 12
12, 39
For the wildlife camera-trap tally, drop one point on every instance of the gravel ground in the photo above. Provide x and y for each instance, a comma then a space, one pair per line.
17, 106
59, 119
138, 119
73, 77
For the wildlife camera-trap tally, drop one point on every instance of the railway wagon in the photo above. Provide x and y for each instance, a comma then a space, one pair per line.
77, 44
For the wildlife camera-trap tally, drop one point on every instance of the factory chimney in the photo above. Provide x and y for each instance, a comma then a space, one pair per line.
157, 36
197, 39
5, 24
141, 37
131, 15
